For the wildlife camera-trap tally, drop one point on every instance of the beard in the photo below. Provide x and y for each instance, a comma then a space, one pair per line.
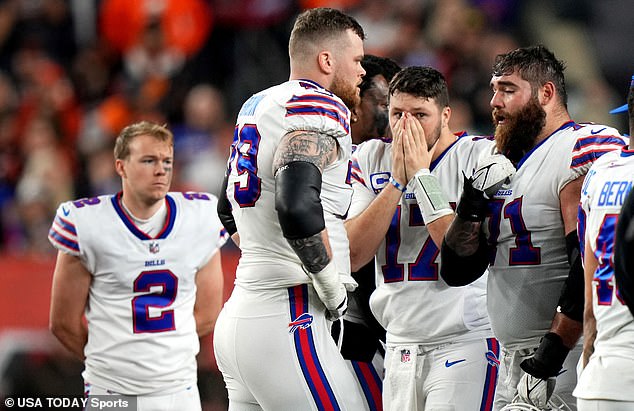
517, 136
347, 92
433, 138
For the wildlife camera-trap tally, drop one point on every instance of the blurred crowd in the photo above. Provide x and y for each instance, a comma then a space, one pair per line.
74, 72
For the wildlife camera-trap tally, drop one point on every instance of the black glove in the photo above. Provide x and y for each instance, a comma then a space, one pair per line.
473, 204
537, 385
548, 359
489, 175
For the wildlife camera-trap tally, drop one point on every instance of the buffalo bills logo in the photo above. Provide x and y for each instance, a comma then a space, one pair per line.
406, 356
492, 358
304, 321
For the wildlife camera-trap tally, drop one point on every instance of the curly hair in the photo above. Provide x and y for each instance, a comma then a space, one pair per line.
535, 64
374, 66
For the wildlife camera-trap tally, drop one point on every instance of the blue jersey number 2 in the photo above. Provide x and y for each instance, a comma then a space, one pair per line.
143, 321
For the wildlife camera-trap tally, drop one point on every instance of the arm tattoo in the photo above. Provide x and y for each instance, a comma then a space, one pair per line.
312, 252
310, 146
463, 236
320, 150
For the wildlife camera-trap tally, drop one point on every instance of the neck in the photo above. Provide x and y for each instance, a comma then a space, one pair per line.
446, 139
318, 78
139, 208
554, 120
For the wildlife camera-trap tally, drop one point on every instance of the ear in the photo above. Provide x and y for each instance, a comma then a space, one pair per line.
325, 60
120, 167
547, 93
446, 116
354, 116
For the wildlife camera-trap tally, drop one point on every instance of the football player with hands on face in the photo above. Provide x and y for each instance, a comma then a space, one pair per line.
525, 231
440, 350
143, 267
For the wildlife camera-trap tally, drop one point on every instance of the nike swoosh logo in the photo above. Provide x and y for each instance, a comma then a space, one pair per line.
65, 211
597, 131
530, 389
449, 364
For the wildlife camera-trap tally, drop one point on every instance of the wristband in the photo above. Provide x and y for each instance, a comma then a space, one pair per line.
430, 198
400, 187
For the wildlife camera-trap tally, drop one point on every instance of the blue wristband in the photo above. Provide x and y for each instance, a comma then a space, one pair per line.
400, 187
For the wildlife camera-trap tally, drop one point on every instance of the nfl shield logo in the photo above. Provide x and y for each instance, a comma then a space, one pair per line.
154, 247
405, 356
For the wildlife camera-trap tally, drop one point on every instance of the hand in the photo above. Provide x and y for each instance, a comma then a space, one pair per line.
331, 291
417, 154
535, 391
335, 314
491, 173
398, 156
538, 383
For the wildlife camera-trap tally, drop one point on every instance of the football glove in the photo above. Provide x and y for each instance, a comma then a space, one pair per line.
535, 391
538, 383
491, 173
331, 291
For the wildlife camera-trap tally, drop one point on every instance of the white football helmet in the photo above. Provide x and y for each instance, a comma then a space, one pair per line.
554, 404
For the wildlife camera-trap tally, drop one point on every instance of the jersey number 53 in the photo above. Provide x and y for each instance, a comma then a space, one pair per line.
244, 155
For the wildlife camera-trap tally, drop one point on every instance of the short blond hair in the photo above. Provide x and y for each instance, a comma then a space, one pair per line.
314, 26
141, 128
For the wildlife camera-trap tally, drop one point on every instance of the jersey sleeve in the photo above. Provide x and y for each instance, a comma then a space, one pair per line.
583, 211
214, 232
363, 193
63, 231
593, 141
318, 110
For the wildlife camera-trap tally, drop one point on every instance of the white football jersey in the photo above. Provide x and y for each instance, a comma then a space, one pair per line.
411, 301
141, 329
608, 375
267, 260
525, 226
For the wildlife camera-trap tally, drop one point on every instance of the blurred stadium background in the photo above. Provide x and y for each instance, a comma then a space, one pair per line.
74, 72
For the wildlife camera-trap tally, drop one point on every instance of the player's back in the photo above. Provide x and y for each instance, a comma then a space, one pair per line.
605, 188
411, 300
267, 260
525, 225
604, 191
143, 289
